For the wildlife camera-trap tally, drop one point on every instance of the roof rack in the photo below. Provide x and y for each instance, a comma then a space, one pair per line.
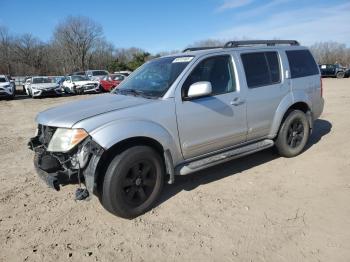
199, 48
232, 44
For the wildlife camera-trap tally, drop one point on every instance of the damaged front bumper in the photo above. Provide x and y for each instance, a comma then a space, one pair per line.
73, 167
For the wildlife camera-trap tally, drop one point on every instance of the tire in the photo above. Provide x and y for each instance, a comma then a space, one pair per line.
340, 75
125, 192
13, 93
293, 134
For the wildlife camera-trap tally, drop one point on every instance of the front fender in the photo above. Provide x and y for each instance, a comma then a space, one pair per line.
117, 131
284, 105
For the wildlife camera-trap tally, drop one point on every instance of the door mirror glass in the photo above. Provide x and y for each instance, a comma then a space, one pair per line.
199, 89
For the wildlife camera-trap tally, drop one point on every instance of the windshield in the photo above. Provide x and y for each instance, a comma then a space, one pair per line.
3, 80
42, 80
155, 77
99, 73
79, 78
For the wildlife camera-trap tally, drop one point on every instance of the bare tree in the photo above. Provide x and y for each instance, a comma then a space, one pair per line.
331, 53
77, 37
6, 42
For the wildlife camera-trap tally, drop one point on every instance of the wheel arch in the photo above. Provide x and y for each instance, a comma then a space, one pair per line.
288, 104
119, 147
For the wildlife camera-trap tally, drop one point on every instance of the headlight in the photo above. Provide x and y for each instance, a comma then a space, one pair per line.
7, 86
65, 139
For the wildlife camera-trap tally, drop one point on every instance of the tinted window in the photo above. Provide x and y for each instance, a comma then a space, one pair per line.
301, 63
261, 68
2, 80
42, 80
216, 70
99, 73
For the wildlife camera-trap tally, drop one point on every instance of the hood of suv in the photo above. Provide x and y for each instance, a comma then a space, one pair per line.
69, 114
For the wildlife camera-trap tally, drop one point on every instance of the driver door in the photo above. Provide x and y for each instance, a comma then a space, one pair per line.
214, 122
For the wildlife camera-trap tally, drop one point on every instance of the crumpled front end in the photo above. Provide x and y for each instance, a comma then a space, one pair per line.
76, 166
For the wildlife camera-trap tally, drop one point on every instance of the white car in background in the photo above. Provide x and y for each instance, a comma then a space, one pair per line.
77, 84
37, 86
7, 89
96, 74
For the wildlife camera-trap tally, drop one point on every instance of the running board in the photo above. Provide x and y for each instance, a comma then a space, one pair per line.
203, 163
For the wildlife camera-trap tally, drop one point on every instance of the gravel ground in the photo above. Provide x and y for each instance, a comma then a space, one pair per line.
258, 208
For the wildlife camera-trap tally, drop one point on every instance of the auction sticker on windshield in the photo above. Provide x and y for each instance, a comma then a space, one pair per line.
184, 59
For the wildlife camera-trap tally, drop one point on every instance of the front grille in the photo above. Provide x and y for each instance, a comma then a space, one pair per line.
45, 134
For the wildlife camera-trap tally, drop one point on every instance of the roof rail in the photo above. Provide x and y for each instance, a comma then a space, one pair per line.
200, 48
232, 44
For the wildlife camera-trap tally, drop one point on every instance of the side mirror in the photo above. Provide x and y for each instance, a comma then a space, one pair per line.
199, 89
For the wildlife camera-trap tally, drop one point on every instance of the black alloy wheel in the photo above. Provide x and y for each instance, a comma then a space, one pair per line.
295, 133
139, 182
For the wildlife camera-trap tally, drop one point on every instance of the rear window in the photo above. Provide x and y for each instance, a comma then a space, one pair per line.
99, 73
261, 68
301, 63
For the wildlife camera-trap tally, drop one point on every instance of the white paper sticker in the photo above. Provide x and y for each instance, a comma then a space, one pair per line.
323, 66
184, 59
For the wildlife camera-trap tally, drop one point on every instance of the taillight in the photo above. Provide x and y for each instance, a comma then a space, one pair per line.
321, 88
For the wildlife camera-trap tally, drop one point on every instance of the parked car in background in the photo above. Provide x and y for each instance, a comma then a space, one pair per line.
111, 81
7, 89
37, 86
125, 72
332, 70
78, 84
12, 82
59, 79
96, 74
177, 115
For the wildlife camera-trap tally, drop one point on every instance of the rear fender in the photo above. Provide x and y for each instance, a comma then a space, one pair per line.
290, 99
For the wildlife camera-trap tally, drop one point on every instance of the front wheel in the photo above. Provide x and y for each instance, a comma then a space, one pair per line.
293, 135
133, 182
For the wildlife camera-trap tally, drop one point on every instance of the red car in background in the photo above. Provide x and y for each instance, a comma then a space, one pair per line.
109, 82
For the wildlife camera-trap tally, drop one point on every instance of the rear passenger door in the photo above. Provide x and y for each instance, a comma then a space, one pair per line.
265, 86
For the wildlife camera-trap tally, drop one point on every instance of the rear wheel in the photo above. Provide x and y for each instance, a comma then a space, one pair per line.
293, 135
340, 75
133, 182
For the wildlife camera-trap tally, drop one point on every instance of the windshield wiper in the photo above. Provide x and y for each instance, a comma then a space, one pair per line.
133, 92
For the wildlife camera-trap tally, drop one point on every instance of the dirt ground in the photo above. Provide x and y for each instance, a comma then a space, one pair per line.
258, 208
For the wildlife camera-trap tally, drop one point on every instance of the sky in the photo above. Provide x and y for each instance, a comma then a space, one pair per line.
164, 25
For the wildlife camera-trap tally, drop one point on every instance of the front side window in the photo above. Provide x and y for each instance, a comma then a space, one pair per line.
301, 63
217, 70
3, 80
261, 69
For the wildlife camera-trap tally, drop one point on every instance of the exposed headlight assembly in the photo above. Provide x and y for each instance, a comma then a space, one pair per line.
65, 139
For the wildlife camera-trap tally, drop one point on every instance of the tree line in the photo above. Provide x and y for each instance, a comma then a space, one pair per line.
78, 43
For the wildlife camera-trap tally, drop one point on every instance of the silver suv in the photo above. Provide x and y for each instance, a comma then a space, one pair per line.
179, 114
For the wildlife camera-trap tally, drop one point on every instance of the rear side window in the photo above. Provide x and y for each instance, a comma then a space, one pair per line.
261, 68
301, 63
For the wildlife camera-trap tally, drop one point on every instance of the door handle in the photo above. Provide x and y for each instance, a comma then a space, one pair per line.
237, 102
